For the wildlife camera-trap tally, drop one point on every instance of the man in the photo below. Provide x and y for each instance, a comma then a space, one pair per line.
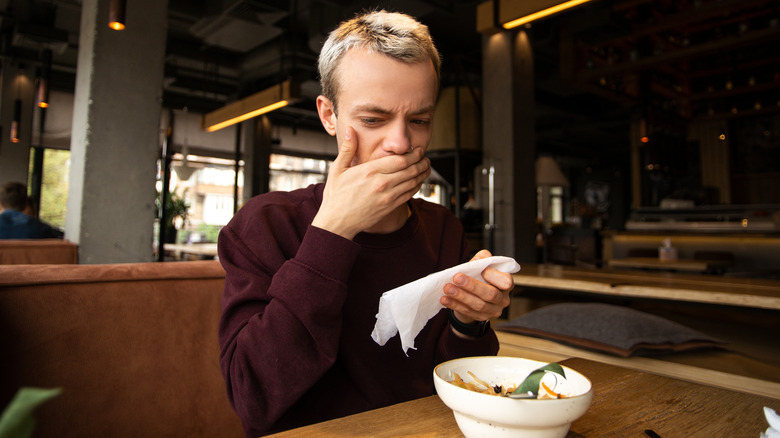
305, 269
17, 218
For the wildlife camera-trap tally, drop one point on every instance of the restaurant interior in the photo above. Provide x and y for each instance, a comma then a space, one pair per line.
624, 152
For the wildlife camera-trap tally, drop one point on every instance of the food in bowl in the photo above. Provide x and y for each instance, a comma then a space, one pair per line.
486, 415
546, 382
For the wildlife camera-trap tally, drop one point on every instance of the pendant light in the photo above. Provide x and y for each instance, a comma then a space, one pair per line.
116, 14
17, 109
42, 93
16, 121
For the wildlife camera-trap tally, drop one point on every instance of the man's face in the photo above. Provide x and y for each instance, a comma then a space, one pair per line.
388, 103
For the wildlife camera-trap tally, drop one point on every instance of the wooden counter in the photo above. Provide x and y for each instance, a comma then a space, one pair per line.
731, 291
684, 265
752, 254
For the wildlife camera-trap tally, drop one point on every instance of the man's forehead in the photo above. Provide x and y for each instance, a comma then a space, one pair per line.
362, 68
360, 56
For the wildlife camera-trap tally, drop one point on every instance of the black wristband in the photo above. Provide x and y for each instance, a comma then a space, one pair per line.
476, 329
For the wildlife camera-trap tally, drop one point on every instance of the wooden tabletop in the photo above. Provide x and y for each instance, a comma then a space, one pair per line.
425, 417
711, 367
686, 265
712, 289
199, 249
626, 402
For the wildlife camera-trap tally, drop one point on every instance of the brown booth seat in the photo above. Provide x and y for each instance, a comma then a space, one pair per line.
38, 251
133, 347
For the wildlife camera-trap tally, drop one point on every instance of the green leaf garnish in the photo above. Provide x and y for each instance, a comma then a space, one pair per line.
17, 420
531, 383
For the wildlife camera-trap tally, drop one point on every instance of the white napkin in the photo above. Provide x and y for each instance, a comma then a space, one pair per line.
406, 309
773, 431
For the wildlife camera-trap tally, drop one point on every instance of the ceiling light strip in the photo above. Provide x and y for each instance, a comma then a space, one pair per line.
543, 13
259, 103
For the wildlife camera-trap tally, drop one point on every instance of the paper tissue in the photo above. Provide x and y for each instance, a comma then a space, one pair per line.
773, 431
406, 309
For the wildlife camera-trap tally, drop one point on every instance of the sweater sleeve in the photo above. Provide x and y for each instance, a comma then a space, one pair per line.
281, 321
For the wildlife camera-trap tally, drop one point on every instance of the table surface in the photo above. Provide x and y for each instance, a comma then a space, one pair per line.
721, 368
712, 289
687, 265
626, 402
206, 249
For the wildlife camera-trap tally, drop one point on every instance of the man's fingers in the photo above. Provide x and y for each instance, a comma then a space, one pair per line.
501, 280
482, 254
347, 150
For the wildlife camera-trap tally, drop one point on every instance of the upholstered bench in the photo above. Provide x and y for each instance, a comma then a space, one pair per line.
38, 251
133, 347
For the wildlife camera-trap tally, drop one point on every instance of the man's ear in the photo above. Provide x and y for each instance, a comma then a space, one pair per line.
327, 114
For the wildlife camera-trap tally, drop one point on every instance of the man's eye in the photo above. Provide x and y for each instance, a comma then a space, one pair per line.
421, 121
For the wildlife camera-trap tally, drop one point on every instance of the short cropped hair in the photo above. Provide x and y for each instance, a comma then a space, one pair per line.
394, 34
13, 196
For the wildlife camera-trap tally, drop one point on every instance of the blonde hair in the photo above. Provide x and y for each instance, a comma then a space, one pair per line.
394, 34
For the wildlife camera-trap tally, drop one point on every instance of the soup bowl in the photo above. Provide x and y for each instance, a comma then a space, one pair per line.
487, 415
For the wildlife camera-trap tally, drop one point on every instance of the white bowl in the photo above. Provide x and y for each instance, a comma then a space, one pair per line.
484, 415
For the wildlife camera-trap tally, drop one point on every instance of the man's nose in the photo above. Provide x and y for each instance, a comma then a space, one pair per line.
397, 139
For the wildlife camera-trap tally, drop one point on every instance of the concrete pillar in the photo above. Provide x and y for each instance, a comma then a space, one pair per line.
257, 156
115, 133
17, 83
509, 142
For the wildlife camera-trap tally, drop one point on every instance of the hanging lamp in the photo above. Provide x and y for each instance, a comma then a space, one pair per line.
116, 14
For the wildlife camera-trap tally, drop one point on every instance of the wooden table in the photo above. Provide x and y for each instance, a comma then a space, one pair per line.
725, 369
626, 403
684, 265
732, 291
745, 316
201, 250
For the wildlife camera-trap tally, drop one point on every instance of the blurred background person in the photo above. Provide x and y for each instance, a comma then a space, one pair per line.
17, 216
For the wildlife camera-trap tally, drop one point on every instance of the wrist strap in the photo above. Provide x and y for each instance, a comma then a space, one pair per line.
476, 329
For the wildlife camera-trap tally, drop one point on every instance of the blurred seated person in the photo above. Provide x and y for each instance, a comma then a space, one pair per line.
305, 269
17, 216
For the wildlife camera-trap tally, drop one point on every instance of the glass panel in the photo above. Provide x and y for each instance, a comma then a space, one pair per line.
289, 173
433, 192
206, 184
555, 209
54, 186
556, 204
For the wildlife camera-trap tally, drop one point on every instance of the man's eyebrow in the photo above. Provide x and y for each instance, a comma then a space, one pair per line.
371, 109
378, 110
425, 109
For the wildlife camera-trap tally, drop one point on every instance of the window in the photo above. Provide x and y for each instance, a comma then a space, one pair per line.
556, 204
552, 212
289, 173
54, 186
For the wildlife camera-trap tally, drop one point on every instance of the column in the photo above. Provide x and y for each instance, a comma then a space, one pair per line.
509, 141
257, 156
115, 136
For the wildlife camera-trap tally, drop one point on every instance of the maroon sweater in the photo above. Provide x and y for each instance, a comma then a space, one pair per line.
300, 303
